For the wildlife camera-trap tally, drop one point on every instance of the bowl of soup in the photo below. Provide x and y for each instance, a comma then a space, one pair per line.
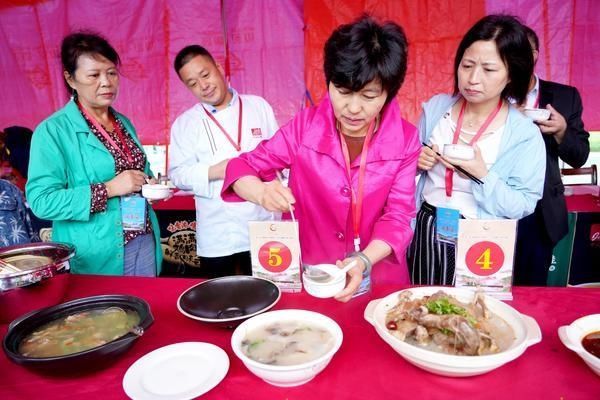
287, 347
323, 286
452, 331
77, 335
583, 337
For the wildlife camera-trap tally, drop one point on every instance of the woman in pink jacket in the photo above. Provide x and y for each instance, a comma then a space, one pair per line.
352, 161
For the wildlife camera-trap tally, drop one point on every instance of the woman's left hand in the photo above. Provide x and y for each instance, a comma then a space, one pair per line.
475, 167
355, 278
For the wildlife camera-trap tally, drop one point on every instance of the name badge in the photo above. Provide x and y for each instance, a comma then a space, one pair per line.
133, 212
365, 285
446, 224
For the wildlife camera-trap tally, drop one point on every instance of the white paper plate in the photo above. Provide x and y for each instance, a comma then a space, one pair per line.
178, 371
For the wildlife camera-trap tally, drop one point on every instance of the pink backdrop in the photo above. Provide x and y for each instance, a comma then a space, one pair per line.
147, 35
568, 31
268, 53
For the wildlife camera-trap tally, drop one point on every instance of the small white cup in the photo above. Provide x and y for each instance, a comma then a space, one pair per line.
537, 114
153, 191
459, 151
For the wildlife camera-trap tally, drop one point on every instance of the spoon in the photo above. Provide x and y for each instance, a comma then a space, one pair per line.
136, 330
329, 272
280, 179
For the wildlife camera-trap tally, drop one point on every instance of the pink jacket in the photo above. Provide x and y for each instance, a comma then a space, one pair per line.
309, 146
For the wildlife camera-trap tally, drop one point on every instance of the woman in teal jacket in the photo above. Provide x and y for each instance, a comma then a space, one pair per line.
86, 162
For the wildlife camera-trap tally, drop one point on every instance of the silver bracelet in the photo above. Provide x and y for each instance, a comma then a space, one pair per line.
364, 258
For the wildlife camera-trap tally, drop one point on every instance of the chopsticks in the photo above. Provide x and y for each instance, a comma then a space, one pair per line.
8, 266
280, 179
457, 167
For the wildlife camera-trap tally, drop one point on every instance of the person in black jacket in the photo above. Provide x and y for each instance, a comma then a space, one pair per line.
565, 138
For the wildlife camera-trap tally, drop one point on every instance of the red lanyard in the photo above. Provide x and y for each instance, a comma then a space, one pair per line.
237, 145
356, 202
124, 149
536, 103
488, 121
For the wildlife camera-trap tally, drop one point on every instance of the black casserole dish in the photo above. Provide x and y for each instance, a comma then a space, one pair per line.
229, 300
88, 359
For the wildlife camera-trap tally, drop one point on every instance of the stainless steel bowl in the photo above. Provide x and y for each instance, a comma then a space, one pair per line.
26, 264
35, 277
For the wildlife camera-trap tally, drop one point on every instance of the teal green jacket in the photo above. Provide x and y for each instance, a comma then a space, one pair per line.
66, 158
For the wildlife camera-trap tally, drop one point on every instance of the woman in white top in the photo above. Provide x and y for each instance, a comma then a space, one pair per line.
499, 147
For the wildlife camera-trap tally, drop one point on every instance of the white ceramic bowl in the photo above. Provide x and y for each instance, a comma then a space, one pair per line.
324, 289
572, 335
288, 375
537, 114
527, 333
154, 191
459, 151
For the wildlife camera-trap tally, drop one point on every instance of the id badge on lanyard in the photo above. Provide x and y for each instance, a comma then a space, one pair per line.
357, 197
133, 212
480, 131
446, 224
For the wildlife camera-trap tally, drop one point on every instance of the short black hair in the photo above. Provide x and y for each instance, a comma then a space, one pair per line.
18, 142
79, 43
187, 53
362, 51
514, 49
533, 38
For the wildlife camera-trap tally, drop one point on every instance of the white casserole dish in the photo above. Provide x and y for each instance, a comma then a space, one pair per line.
527, 333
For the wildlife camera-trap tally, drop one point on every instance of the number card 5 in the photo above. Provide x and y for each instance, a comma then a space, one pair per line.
275, 253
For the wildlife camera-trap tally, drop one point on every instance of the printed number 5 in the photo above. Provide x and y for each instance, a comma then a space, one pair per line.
275, 259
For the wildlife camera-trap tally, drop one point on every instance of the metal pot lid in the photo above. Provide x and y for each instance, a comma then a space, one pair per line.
25, 264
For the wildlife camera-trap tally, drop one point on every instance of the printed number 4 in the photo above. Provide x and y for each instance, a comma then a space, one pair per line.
484, 259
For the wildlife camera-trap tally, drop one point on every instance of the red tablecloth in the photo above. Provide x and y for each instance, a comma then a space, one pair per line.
364, 368
177, 202
583, 203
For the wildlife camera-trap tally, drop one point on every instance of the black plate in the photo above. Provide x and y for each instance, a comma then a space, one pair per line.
229, 300
85, 360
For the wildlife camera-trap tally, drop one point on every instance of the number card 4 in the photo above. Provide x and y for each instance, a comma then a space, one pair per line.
485, 254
